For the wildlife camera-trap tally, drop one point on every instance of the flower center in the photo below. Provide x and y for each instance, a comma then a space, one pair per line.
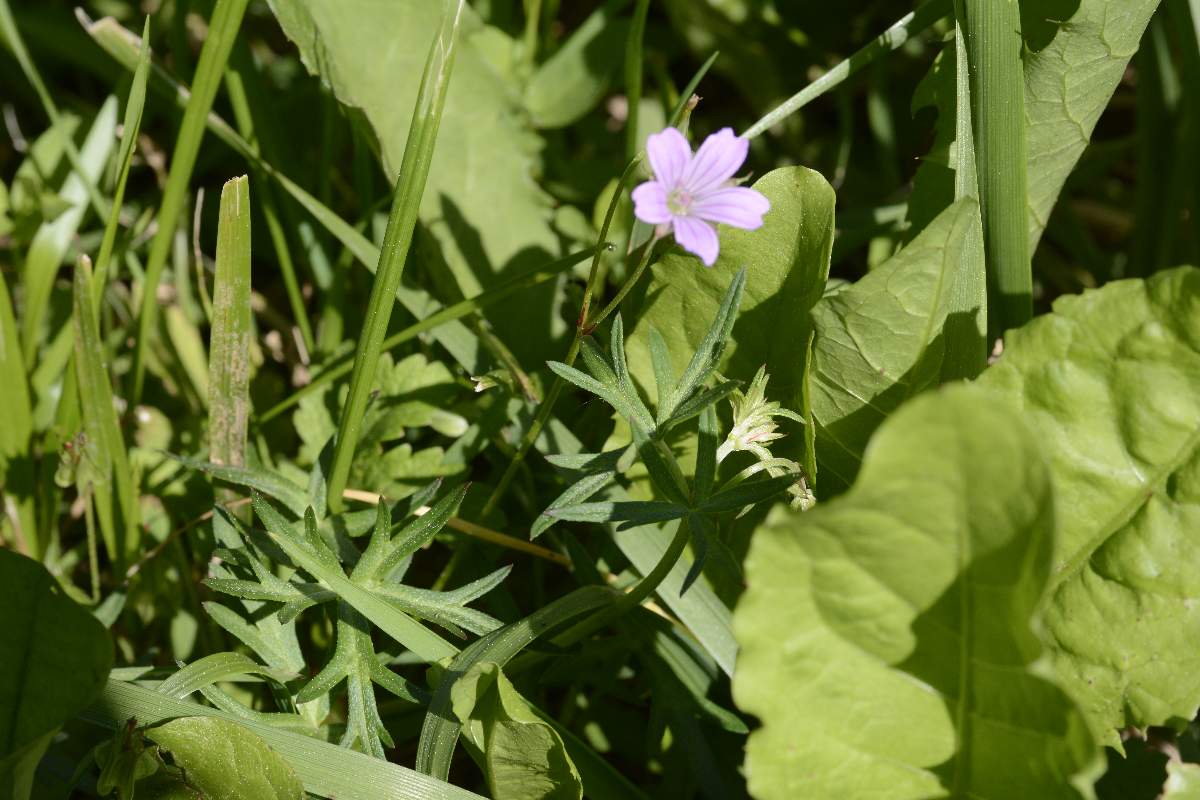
679, 202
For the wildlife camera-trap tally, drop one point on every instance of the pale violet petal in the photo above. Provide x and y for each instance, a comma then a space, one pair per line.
669, 154
717, 160
697, 236
650, 203
732, 205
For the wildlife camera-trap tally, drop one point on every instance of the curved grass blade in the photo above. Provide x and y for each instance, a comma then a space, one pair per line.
210, 669
414, 170
130, 126
893, 38
105, 461
222, 30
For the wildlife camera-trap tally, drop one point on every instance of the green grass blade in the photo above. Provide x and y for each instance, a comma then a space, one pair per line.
129, 132
15, 433
325, 769
452, 335
50, 243
418, 153
12, 37
992, 31
966, 320
229, 348
633, 76
222, 30
243, 86
893, 38
104, 461
210, 669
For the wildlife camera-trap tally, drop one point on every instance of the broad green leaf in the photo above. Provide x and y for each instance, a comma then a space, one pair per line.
880, 341
571, 82
1067, 87
18, 767
231, 337
525, 758
54, 655
371, 54
1183, 781
226, 761
1110, 384
905, 664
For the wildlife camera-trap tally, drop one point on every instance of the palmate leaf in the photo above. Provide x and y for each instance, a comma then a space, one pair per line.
314, 557
1110, 384
908, 641
354, 661
881, 341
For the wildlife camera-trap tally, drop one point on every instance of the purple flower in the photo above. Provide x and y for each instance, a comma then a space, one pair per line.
690, 192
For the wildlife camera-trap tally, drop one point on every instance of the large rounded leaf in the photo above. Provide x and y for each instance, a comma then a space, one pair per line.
886, 636
54, 655
881, 341
1110, 383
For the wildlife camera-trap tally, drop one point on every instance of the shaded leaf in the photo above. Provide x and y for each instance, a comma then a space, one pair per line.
525, 757
881, 341
226, 761
54, 655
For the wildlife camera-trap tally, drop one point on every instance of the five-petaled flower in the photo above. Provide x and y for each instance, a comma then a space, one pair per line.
690, 192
